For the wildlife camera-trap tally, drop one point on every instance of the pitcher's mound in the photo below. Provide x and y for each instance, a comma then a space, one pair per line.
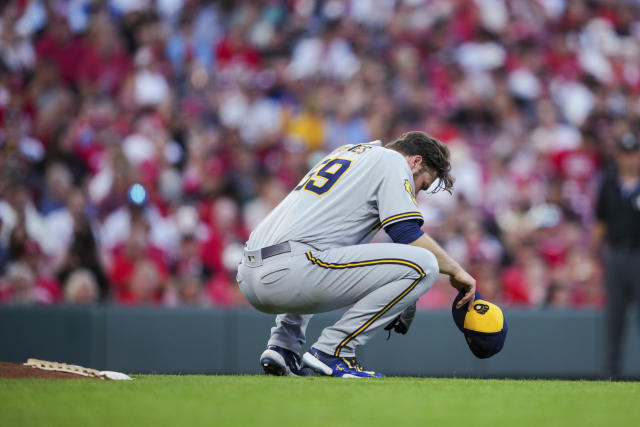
14, 370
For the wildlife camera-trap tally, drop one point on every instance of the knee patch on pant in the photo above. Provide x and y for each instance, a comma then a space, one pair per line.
428, 262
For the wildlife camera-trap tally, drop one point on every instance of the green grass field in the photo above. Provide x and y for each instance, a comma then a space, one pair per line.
163, 400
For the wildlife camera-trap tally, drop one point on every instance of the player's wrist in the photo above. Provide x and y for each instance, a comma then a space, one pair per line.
456, 270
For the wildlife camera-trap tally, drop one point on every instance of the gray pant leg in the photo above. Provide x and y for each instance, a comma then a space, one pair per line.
617, 293
361, 322
635, 279
290, 331
380, 306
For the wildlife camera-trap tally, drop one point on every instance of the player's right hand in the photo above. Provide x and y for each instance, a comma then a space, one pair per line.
463, 282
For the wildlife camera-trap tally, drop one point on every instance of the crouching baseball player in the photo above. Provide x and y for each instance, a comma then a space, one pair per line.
311, 254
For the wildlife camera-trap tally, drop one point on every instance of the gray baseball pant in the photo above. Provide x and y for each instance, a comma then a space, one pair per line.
378, 281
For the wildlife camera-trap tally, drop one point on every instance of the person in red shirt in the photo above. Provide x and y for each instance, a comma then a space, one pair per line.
138, 268
106, 63
235, 50
59, 46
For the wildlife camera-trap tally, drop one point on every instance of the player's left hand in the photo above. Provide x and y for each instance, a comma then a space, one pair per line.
463, 282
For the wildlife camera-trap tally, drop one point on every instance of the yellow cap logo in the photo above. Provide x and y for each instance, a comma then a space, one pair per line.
480, 307
484, 317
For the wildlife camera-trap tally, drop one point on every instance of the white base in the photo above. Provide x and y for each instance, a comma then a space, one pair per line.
116, 375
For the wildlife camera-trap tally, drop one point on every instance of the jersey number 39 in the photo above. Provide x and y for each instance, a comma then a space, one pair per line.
324, 177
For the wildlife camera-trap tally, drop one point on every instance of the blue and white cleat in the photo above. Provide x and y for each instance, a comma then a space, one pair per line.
345, 367
279, 361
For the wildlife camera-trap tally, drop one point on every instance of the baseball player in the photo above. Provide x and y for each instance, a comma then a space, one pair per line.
311, 254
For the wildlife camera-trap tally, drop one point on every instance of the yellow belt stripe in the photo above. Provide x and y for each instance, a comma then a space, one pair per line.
391, 218
388, 306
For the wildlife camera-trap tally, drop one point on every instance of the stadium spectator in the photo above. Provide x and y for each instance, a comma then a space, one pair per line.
81, 252
18, 287
4, 252
81, 288
61, 48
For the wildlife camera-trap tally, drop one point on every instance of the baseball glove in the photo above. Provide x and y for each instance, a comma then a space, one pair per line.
402, 323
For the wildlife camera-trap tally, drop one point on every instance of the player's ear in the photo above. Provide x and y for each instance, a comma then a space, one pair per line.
415, 162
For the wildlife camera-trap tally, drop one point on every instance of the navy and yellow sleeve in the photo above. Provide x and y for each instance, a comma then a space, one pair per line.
407, 231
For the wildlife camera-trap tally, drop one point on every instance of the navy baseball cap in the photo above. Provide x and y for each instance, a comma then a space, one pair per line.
484, 326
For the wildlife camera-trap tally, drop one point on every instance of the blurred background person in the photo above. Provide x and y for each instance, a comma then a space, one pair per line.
81, 288
4, 252
618, 228
81, 251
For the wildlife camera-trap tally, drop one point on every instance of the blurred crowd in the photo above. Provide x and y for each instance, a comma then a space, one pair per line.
142, 140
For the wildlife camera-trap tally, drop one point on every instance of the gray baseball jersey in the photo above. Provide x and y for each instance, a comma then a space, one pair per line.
344, 200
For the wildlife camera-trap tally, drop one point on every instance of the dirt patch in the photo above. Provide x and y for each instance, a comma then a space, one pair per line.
15, 370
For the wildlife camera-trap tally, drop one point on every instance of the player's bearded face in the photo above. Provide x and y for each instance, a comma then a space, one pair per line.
423, 177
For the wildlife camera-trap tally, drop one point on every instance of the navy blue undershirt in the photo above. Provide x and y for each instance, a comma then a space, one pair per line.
404, 231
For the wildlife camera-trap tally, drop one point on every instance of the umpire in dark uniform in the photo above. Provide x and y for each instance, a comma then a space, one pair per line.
618, 228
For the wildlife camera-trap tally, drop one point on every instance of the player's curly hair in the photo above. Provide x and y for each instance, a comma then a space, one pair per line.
435, 155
